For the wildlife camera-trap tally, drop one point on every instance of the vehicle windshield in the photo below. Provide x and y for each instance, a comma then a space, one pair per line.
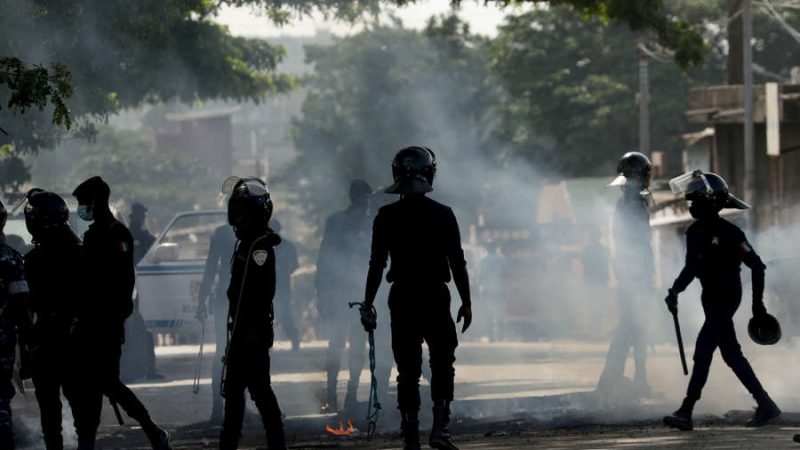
192, 234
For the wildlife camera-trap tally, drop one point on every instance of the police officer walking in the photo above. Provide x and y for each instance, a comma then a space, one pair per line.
634, 269
344, 248
213, 298
13, 319
59, 339
250, 313
715, 250
422, 238
109, 269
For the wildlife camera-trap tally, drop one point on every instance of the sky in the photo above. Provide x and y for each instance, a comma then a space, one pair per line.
483, 19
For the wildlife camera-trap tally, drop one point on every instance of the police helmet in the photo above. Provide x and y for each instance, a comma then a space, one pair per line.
708, 187
764, 329
45, 211
633, 167
249, 202
413, 169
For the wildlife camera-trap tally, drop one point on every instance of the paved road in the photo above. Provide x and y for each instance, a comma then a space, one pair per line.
510, 395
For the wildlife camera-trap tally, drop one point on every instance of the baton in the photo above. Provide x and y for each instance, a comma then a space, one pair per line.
199, 365
117, 413
680, 342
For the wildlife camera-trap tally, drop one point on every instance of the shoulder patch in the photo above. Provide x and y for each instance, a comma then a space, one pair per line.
123, 247
260, 257
746, 247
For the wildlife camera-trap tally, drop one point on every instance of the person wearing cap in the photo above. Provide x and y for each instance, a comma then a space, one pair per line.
14, 295
142, 239
344, 248
109, 279
634, 269
715, 250
422, 238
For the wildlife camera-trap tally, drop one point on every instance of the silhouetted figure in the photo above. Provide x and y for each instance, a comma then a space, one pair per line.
13, 299
59, 338
422, 238
109, 274
634, 269
285, 265
250, 293
138, 339
142, 239
344, 248
213, 287
715, 250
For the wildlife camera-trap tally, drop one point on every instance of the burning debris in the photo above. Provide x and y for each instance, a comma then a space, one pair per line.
341, 431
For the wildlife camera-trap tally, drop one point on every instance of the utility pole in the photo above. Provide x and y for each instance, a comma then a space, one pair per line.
749, 141
644, 103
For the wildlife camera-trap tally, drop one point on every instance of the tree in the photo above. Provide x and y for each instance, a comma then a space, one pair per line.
380, 90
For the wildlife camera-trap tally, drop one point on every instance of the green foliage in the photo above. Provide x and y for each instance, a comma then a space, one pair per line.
36, 88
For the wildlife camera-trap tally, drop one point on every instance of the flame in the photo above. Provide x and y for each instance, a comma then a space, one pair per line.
341, 431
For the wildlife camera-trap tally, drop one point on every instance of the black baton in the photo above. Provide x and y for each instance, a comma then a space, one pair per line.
680, 343
117, 413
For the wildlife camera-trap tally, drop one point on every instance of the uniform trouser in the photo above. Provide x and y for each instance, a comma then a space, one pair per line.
718, 332
7, 356
344, 326
421, 312
221, 333
112, 387
629, 334
286, 319
249, 368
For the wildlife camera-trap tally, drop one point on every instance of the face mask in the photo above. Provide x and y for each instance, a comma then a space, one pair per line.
85, 213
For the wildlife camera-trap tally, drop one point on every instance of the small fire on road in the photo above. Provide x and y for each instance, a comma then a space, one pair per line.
341, 431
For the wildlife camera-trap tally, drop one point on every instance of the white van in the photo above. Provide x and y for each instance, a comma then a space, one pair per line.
168, 277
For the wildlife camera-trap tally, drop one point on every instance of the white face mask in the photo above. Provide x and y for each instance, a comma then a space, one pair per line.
85, 213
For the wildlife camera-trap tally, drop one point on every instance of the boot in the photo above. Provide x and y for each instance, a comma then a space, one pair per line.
86, 442
796, 438
682, 418
159, 439
409, 428
766, 411
440, 435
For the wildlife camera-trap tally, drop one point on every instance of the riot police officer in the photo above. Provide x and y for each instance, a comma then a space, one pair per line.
422, 238
250, 314
216, 278
13, 319
109, 273
344, 247
715, 250
634, 269
52, 267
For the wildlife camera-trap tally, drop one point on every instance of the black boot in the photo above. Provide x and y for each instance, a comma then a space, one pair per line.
409, 428
682, 418
440, 435
766, 411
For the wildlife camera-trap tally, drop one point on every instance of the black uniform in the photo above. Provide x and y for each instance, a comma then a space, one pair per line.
108, 247
59, 337
13, 295
634, 269
345, 247
218, 269
423, 240
287, 263
250, 294
715, 250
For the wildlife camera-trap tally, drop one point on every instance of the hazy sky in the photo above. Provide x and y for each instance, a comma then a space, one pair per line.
483, 19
